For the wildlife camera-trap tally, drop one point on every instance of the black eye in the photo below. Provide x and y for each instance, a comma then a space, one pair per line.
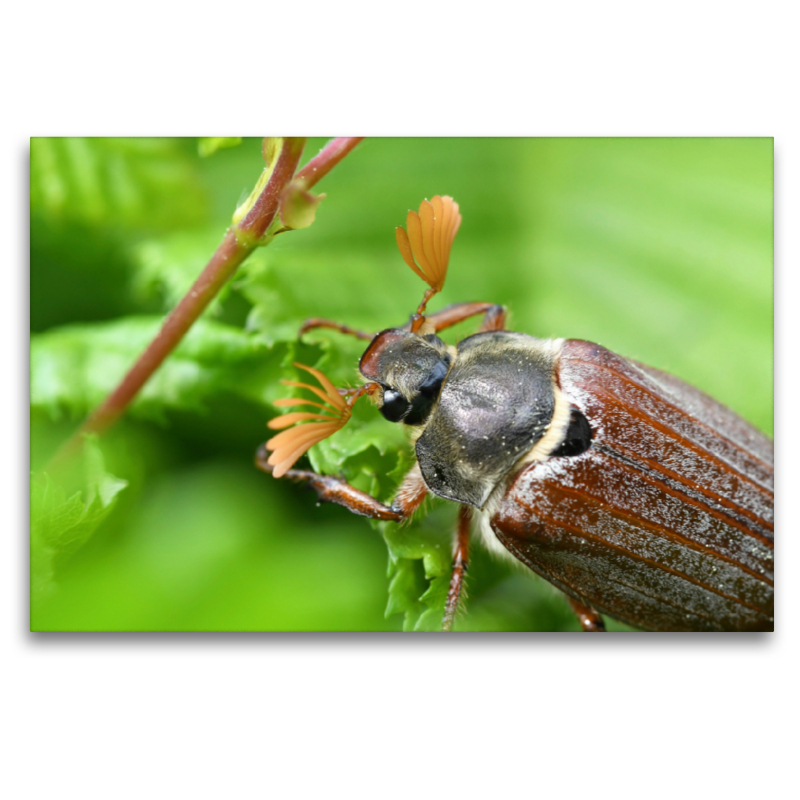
428, 393
578, 438
395, 406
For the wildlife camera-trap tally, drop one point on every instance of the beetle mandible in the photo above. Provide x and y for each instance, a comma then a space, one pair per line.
636, 494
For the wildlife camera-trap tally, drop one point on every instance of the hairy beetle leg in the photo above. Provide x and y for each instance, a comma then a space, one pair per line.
460, 561
494, 320
334, 490
589, 619
494, 316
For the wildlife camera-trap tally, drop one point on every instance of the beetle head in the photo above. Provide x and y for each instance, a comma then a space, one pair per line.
406, 368
410, 370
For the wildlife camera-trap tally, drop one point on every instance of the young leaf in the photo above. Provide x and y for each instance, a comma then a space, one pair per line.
299, 206
419, 568
62, 521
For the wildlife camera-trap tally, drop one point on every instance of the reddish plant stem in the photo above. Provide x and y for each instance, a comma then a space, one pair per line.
223, 264
233, 250
328, 158
262, 213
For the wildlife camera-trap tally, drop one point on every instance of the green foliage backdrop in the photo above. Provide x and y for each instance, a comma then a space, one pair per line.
660, 249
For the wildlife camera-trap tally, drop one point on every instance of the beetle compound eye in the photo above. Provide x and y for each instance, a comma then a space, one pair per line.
395, 406
428, 393
578, 438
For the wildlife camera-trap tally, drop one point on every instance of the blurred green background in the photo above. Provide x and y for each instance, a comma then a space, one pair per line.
660, 249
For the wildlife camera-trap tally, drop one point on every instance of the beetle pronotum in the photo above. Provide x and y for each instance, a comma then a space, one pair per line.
637, 495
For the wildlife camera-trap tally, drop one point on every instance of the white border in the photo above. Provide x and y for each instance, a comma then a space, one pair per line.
381, 716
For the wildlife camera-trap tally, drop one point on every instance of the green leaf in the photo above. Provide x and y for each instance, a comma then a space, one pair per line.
208, 145
287, 286
120, 182
420, 556
167, 266
62, 521
419, 560
75, 367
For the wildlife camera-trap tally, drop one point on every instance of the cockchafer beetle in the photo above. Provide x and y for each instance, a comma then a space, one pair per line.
636, 494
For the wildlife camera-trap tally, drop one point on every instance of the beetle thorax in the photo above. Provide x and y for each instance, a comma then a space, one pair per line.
497, 403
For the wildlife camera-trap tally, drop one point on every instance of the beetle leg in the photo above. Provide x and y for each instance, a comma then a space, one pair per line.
409, 496
494, 319
460, 561
318, 322
589, 619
